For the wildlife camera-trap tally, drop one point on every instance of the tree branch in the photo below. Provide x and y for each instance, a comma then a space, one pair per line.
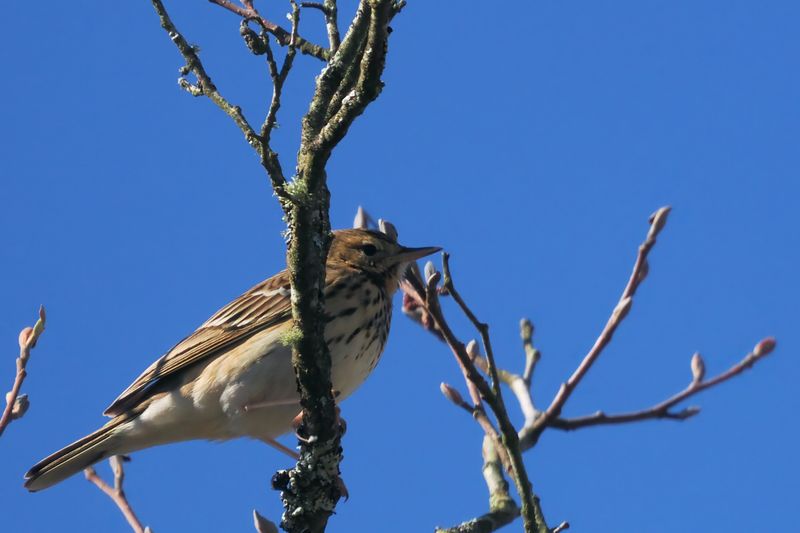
117, 493
283, 37
502, 508
533, 518
330, 11
204, 86
479, 414
662, 410
420, 303
532, 355
17, 404
640, 270
311, 489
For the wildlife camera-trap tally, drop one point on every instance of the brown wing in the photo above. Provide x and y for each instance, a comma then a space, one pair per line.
265, 305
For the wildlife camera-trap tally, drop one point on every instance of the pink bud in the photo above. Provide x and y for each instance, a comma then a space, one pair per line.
765, 347
472, 349
451, 394
24, 336
262, 524
21, 404
526, 329
362, 219
698, 368
658, 220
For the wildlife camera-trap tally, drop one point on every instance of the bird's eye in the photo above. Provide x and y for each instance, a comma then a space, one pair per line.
369, 249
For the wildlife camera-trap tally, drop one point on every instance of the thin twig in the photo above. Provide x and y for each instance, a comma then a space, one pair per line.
117, 493
479, 414
332, 24
531, 512
269, 158
482, 327
330, 11
502, 508
535, 422
509, 433
515, 382
204, 84
662, 410
313, 5
283, 37
16, 403
640, 270
532, 355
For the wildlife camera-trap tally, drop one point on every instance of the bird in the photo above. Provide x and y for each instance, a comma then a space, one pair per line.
233, 376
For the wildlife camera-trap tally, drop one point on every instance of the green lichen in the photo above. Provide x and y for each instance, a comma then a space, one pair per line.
298, 190
292, 336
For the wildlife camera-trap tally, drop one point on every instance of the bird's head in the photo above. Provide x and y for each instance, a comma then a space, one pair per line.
374, 254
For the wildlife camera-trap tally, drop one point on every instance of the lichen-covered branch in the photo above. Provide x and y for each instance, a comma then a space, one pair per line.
17, 404
347, 84
311, 489
117, 492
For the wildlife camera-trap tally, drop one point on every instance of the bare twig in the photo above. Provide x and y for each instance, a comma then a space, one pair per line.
515, 382
535, 421
330, 11
284, 38
482, 327
16, 403
502, 508
532, 355
640, 270
479, 414
414, 300
531, 512
117, 493
204, 84
269, 158
662, 410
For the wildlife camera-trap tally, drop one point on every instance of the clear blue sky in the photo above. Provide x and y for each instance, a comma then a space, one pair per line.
530, 139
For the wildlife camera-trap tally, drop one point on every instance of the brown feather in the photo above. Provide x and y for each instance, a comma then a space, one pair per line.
259, 308
81, 454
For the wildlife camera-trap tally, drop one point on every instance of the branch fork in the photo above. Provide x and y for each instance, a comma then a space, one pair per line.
421, 303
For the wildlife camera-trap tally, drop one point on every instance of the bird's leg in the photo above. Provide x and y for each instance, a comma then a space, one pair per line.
280, 447
271, 403
297, 423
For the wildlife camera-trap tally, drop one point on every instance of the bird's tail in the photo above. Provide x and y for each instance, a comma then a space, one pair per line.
70, 460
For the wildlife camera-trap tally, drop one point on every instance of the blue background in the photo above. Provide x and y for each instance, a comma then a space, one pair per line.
530, 139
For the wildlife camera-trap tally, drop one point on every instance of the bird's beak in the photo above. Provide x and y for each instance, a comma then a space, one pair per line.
407, 255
